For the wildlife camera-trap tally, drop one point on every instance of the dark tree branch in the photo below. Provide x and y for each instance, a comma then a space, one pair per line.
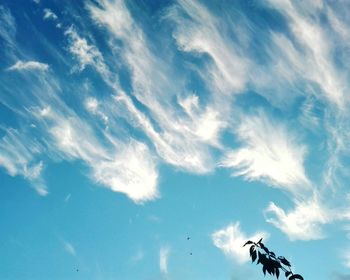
270, 263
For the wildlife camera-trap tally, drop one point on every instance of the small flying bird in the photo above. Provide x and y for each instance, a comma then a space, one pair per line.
188, 238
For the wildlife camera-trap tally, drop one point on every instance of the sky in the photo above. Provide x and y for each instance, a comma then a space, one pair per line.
149, 140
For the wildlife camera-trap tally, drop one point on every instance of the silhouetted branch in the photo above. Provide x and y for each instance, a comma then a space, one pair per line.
270, 263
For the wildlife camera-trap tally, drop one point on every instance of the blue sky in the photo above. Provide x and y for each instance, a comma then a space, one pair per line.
128, 126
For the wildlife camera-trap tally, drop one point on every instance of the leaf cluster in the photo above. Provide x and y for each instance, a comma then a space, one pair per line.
271, 264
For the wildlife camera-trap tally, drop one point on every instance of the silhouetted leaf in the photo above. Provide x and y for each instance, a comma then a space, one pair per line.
262, 246
248, 242
269, 267
277, 273
251, 250
263, 258
296, 276
288, 273
272, 253
264, 269
260, 240
284, 261
254, 255
275, 263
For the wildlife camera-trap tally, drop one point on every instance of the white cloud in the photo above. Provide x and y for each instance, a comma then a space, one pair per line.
132, 171
302, 223
173, 145
206, 124
181, 140
337, 24
121, 164
231, 240
126, 167
85, 53
198, 31
18, 157
69, 248
229, 70
48, 14
313, 58
163, 259
91, 104
7, 27
309, 118
316, 49
28, 66
269, 153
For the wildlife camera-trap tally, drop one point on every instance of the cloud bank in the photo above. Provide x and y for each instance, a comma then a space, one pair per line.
205, 92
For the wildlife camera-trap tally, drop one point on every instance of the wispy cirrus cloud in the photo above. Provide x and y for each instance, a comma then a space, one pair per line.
69, 248
85, 53
325, 86
28, 66
198, 31
18, 155
302, 223
172, 123
164, 253
126, 167
49, 14
122, 165
231, 240
304, 23
179, 139
270, 153
7, 27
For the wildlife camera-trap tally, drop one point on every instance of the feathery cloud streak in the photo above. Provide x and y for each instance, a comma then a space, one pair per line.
174, 122
231, 240
28, 65
180, 140
163, 259
302, 223
269, 153
126, 167
18, 155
